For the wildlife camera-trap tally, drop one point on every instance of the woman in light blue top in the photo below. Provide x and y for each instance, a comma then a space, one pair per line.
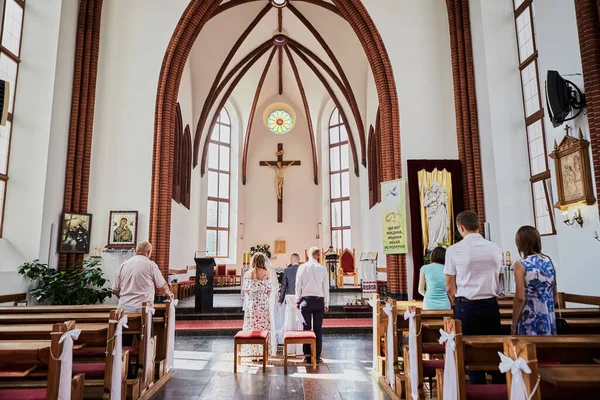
432, 282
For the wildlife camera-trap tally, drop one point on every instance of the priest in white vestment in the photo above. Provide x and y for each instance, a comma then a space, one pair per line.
287, 296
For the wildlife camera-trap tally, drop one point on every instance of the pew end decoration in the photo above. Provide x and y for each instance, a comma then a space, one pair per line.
83, 283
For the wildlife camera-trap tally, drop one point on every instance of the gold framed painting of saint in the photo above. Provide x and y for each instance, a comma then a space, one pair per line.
75, 233
437, 211
122, 229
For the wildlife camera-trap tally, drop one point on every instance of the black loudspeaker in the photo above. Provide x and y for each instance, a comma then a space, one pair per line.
4, 99
562, 98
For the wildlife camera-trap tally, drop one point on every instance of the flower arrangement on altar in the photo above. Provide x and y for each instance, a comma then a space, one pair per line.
261, 248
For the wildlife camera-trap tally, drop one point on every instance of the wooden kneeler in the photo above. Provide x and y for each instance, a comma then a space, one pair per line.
300, 337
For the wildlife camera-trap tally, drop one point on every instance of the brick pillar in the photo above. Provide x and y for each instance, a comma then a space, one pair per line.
588, 26
77, 175
465, 102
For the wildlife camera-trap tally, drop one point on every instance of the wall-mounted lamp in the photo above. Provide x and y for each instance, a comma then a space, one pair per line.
576, 218
242, 230
318, 235
596, 236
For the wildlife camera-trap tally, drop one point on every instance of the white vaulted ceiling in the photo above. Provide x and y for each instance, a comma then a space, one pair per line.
221, 33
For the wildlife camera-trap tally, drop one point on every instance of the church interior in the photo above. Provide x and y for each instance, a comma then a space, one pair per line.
221, 129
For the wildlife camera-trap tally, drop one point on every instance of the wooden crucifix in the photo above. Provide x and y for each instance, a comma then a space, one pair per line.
279, 166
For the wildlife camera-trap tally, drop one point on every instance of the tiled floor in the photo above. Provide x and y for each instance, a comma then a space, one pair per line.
204, 370
235, 300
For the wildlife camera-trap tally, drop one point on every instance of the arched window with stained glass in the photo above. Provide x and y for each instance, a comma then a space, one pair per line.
219, 177
339, 183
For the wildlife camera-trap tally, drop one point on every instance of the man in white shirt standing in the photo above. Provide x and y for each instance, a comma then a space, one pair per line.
473, 267
312, 298
138, 279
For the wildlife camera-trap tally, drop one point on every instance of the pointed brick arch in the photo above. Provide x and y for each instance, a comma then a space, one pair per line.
187, 30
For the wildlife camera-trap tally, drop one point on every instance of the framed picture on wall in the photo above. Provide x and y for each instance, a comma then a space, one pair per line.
122, 229
279, 246
75, 233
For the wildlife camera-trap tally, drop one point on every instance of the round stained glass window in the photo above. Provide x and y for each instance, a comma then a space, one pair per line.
280, 122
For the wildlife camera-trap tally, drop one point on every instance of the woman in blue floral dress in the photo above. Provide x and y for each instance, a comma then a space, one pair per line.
533, 309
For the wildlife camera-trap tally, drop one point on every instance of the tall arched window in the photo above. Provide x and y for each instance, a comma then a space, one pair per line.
339, 183
10, 58
539, 172
219, 173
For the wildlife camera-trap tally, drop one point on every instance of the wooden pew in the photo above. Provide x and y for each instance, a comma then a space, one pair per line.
26, 351
100, 374
12, 322
95, 308
564, 298
16, 299
480, 353
556, 381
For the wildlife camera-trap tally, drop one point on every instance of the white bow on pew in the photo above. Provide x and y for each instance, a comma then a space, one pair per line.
66, 367
373, 303
412, 351
450, 374
171, 335
390, 346
516, 368
117, 364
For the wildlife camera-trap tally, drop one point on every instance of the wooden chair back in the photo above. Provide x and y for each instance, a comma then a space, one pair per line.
221, 269
348, 262
515, 348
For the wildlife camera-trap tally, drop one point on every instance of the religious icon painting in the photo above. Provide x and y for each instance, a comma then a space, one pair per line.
75, 233
279, 246
573, 173
122, 230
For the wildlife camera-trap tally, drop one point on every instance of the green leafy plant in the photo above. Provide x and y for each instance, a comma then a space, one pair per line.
261, 248
83, 283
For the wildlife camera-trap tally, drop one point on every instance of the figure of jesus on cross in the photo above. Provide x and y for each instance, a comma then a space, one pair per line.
279, 166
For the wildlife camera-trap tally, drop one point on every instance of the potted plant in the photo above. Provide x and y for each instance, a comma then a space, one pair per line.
261, 248
83, 283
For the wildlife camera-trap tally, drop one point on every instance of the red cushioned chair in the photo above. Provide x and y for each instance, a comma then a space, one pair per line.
347, 267
233, 278
251, 337
300, 337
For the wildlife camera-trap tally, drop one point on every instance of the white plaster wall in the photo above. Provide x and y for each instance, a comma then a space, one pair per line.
22, 233
504, 160
184, 222
134, 37
59, 133
574, 249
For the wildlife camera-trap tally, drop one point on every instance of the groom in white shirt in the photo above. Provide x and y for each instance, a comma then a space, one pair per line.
312, 298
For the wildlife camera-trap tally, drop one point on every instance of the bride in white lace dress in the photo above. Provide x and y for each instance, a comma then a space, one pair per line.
257, 315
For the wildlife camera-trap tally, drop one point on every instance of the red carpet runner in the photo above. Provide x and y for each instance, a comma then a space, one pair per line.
237, 324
